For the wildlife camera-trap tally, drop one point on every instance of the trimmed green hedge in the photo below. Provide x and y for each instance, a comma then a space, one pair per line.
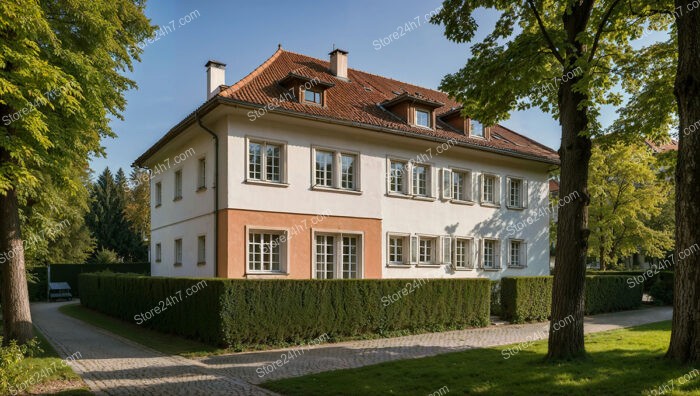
70, 272
529, 298
237, 313
648, 277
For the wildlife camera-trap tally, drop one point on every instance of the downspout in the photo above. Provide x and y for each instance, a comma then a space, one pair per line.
216, 192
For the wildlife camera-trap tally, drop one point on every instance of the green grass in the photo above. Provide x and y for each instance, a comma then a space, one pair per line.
54, 376
165, 343
620, 362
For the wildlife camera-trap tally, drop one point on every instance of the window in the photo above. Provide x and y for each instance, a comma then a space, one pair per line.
324, 168
312, 96
420, 180
202, 174
517, 193
335, 169
397, 180
490, 258
425, 249
337, 256
463, 253
517, 254
201, 250
456, 185
423, 118
178, 185
476, 129
159, 253
265, 162
265, 251
178, 252
490, 189
397, 245
159, 194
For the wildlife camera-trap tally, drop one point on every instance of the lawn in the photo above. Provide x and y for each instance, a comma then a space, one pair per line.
165, 343
620, 362
53, 376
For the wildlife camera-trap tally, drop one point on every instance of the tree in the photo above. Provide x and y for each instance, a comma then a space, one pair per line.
626, 195
107, 219
685, 333
60, 64
138, 205
584, 46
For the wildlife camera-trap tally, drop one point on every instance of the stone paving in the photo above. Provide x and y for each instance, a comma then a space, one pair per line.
115, 366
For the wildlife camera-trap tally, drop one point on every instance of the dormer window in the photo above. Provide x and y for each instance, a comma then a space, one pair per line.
476, 129
312, 96
423, 118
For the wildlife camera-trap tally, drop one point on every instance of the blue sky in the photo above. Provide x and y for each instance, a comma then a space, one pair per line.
171, 77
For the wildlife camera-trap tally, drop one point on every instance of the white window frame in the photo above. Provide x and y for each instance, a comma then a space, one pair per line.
468, 255
158, 193
177, 251
263, 161
281, 235
405, 248
201, 249
436, 257
522, 253
415, 118
337, 170
448, 185
158, 252
523, 201
496, 189
338, 252
472, 127
177, 185
202, 174
497, 254
405, 177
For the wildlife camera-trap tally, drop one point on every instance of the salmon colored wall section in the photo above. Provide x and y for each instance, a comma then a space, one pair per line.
232, 240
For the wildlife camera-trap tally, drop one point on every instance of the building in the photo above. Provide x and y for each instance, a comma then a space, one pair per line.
306, 168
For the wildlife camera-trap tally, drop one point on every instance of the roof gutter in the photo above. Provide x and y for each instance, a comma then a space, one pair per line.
216, 191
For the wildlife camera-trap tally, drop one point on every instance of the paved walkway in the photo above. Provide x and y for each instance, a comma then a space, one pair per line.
113, 365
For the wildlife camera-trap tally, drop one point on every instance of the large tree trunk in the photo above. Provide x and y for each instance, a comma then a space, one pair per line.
17, 319
685, 335
572, 245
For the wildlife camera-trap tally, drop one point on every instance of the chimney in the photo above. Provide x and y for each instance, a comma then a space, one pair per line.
339, 63
216, 76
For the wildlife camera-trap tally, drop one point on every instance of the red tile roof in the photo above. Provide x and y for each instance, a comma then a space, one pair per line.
662, 147
358, 100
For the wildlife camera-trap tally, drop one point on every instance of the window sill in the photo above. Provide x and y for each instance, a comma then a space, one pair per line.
423, 198
490, 205
519, 208
462, 269
177, 265
395, 265
177, 199
460, 202
264, 275
201, 263
158, 261
266, 183
517, 266
491, 269
336, 190
398, 195
428, 265
200, 189
158, 206
424, 127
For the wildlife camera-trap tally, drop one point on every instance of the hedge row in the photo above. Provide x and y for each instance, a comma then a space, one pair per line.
247, 312
529, 298
647, 277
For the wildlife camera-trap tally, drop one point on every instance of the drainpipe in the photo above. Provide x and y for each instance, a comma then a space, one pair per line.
216, 192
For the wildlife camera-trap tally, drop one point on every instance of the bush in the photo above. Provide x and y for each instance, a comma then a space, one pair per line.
529, 298
12, 374
237, 313
105, 256
647, 277
662, 290
496, 298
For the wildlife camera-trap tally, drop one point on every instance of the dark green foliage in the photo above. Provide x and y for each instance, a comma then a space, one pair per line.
249, 312
496, 297
662, 289
70, 272
36, 282
107, 221
529, 298
648, 277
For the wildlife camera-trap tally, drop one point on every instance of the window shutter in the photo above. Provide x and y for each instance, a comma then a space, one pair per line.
470, 187
446, 249
508, 186
414, 249
446, 183
479, 249
430, 182
497, 191
480, 186
523, 254
388, 176
497, 256
408, 178
454, 252
525, 193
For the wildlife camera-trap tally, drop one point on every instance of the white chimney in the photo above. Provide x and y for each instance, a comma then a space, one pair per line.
216, 76
339, 63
